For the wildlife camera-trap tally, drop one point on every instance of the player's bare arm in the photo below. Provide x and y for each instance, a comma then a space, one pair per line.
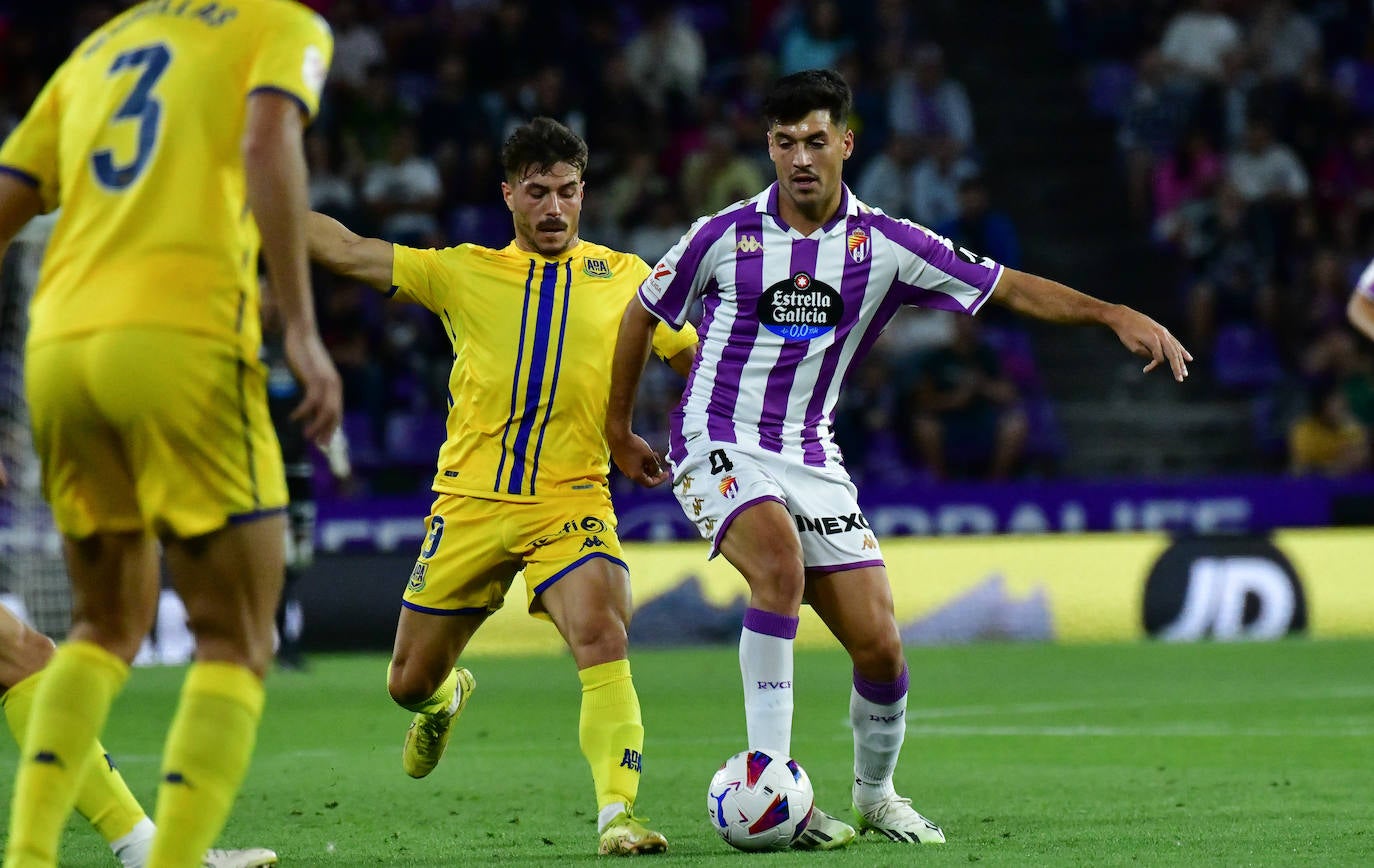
682, 362
343, 251
1048, 300
1361, 313
274, 163
635, 457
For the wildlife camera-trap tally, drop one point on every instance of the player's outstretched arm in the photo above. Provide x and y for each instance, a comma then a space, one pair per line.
274, 163
635, 458
1048, 300
342, 251
1361, 313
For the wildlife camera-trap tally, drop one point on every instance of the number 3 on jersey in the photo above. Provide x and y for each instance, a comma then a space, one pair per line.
141, 106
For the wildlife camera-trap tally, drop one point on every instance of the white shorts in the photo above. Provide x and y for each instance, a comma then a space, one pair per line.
718, 481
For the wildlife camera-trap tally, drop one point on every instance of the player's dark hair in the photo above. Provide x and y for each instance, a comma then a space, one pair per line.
795, 96
538, 146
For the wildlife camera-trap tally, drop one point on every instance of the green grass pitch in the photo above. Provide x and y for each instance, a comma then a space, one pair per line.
1026, 754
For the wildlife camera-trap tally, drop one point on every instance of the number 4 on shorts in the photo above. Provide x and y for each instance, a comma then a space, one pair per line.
720, 462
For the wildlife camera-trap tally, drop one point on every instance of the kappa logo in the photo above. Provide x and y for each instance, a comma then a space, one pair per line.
710, 524
729, 487
858, 245
748, 244
686, 482
592, 542
696, 505
869, 542
598, 268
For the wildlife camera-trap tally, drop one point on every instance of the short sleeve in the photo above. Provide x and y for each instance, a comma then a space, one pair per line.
30, 152
413, 276
668, 342
674, 284
933, 272
293, 58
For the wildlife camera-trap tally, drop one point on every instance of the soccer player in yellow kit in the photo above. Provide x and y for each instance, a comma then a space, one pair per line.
104, 799
521, 480
171, 141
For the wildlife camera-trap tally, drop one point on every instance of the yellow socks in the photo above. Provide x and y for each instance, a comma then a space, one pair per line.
103, 799
611, 733
69, 706
207, 754
442, 698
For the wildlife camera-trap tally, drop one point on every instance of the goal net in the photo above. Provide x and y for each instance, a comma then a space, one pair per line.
33, 579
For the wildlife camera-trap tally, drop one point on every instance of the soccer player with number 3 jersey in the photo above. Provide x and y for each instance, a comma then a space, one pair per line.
171, 141
521, 482
795, 286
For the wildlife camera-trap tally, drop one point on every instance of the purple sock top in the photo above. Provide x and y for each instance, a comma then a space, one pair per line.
771, 623
882, 692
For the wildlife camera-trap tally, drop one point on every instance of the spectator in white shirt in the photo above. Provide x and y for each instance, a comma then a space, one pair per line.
937, 180
404, 191
1197, 39
924, 102
357, 46
666, 59
1283, 41
1265, 170
889, 180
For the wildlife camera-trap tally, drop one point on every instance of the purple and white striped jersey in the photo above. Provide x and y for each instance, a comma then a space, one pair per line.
786, 317
1364, 287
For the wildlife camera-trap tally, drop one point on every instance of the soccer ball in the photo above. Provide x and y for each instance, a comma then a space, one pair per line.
760, 801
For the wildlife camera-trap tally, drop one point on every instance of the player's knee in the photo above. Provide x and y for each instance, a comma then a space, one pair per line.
599, 640
778, 584
880, 658
410, 685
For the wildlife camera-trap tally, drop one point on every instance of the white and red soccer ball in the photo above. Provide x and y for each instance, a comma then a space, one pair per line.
760, 801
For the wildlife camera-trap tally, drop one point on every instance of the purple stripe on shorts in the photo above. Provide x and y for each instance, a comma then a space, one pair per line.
720, 410
772, 624
778, 392
844, 568
881, 692
853, 288
730, 519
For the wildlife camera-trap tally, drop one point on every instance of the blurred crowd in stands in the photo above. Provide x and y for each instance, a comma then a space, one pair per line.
1246, 134
1247, 152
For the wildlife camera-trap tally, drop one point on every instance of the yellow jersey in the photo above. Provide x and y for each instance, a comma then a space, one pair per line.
137, 138
532, 340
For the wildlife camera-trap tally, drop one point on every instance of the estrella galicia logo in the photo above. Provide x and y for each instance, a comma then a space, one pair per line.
1223, 588
800, 308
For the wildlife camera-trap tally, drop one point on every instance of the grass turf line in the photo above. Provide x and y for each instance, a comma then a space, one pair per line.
1026, 754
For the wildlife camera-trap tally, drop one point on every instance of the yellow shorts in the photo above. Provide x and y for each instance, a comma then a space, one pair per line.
152, 429
475, 547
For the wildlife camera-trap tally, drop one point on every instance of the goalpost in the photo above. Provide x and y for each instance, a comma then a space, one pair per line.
33, 579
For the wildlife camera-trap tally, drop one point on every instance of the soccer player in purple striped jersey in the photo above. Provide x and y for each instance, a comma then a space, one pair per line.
1361, 308
796, 284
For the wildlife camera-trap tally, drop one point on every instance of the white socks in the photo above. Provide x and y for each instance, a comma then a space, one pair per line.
765, 662
877, 711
